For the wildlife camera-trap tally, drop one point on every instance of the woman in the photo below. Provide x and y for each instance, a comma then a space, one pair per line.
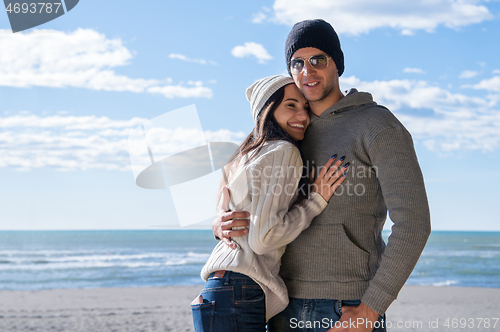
243, 288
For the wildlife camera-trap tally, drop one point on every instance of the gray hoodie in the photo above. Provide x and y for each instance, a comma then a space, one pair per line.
342, 254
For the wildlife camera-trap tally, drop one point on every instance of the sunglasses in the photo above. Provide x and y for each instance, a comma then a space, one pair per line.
318, 62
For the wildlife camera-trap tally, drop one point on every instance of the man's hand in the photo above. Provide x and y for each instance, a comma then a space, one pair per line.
359, 318
222, 225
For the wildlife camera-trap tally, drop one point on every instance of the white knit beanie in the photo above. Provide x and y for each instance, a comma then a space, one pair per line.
259, 92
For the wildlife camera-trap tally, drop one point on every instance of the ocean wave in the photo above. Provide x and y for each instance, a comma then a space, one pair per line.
179, 262
445, 283
44, 252
141, 264
198, 255
109, 257
105, 261
104, 257
462, 253
55, 266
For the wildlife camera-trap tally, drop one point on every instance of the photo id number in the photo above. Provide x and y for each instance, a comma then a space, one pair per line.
33, 8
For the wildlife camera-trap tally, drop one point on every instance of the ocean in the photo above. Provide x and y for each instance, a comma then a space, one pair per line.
33, 260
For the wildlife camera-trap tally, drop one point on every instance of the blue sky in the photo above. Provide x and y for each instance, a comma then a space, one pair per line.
72, 90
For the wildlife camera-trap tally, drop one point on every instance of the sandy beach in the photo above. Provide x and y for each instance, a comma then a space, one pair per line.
418, 308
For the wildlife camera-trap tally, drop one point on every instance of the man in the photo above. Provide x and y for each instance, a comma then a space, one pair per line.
339, 273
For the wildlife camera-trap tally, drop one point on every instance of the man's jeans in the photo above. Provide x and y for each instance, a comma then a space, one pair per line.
232, 303
315, 316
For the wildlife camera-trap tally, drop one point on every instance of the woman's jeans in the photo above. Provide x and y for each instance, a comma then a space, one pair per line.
233, 303
304, 315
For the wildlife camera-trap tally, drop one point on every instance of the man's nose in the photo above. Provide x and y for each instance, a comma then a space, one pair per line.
307, 68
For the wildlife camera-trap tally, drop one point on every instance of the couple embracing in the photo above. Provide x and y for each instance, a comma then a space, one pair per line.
305, 253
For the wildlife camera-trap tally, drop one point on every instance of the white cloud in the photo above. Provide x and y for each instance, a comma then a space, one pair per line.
252, 49
496, 71
361, 16
490, 84
456, 121
80, 142
83, 59
67, 123
416, 94
468, 74
259, 18
173, 91
413, 70
456, 131
185, 58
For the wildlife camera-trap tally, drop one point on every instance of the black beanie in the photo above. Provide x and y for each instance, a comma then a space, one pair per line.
318, 34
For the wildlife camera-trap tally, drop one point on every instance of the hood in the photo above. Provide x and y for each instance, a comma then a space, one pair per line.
352, 100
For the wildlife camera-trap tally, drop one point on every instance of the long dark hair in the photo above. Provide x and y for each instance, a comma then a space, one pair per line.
266, 129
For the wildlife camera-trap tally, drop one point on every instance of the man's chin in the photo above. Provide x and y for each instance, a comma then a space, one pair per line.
312, 98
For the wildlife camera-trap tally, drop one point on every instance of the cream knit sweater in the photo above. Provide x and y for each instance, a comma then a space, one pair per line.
266, 187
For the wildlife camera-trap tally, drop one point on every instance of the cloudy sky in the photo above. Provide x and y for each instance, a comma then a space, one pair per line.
72, 91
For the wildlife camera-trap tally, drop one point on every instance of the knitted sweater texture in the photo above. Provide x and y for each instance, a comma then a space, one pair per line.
342, 254
266, 187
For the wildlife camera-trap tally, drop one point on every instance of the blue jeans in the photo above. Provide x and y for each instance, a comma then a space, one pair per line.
314, 316
233, 303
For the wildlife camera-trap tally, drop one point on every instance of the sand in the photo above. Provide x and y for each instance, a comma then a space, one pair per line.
102, 309
435, 306
420, 308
